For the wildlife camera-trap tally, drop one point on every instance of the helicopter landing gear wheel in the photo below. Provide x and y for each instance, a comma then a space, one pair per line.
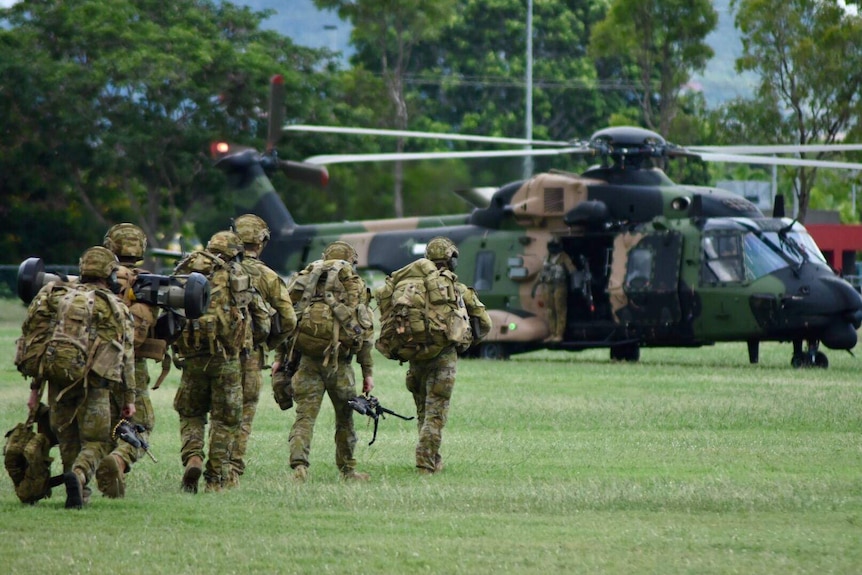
493, 350
811, 357
626, 352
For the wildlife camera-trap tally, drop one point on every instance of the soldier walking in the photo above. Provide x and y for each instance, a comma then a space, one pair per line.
83, 335
254, 234
331, 299
463, 321
129, 243
209, 350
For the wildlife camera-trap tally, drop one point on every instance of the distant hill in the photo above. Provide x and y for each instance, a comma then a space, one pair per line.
305, 24
308, 26
720, 82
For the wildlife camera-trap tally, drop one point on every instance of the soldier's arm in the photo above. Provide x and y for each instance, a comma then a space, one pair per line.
279, 300
363, 356
476, 309
128, 362
568, 263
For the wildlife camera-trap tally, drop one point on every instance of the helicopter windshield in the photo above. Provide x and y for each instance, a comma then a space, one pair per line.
744, 256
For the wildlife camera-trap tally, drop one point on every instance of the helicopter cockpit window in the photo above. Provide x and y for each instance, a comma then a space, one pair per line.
484, 276
722, 258
766, 252
808, 245
639, 269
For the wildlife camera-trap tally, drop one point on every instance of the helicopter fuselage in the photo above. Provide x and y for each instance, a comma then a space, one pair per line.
658, 264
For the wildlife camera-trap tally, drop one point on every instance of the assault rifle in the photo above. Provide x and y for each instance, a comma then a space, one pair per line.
131, 434
370, 406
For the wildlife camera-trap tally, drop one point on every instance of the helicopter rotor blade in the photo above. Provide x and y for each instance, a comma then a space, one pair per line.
778, 149
425, 135
776, 161
477, 197
347, 158
305, 172
276, 111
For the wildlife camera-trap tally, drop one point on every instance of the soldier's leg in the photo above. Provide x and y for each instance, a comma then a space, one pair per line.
341, 387
144, 413
439, 383
192, 403
94, 425
252, 380
64, 424
416, 386
308, 389
225, 418
560, 308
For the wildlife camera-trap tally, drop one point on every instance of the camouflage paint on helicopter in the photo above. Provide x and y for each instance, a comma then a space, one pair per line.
659, 264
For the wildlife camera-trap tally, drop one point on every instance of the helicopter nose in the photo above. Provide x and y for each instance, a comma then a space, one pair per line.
846, 298
847, 304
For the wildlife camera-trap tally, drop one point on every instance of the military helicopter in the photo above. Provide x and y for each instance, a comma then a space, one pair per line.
659, 264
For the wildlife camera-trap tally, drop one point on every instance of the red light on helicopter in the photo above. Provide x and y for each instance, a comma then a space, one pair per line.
219, 148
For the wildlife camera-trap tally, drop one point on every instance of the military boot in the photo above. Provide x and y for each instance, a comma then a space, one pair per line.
111, 476
353, 475
193, 471
300, 473
74, 482
213, 487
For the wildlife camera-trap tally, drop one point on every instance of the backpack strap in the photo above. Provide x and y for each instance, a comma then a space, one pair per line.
310, 287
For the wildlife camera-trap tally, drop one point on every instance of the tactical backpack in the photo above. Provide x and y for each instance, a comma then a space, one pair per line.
59, 342
331, 307
26, 457
226, 327
422, 312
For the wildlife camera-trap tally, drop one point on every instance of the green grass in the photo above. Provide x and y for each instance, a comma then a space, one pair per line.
691, 461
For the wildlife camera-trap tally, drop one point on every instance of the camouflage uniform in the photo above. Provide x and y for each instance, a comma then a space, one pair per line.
431, 381
211, 383
80, 415
254, 233
316, 376
555, 272
129, 244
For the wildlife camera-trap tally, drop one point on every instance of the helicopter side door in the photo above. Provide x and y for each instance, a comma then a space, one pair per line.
644, 282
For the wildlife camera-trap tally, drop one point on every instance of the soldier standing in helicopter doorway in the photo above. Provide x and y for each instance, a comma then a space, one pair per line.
556, 270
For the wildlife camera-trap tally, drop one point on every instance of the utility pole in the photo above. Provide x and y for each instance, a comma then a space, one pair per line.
528, 114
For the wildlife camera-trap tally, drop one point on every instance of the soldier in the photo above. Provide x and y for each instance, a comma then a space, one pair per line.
209, 349
88, 351
129, 243
431, 381
554, 276
326, 366
255, 234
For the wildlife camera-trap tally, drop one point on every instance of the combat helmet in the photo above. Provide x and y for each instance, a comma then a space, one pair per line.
97, 262
441, 249
225, 243
126, 241
340, 250
251, 229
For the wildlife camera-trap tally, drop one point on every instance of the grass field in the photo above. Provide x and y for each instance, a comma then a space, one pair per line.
691, 461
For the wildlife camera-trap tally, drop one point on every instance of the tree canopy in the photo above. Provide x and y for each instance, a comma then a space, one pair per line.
109, 106
808, 56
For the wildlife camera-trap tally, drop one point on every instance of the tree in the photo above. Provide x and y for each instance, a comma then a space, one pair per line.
113, 105
808, 54
657, 45
391, 28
